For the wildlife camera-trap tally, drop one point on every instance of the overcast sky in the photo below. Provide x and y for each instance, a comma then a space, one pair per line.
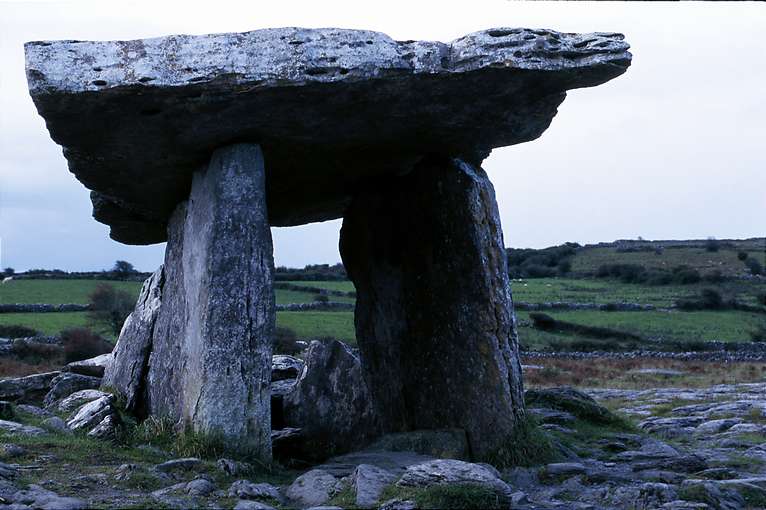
672, 149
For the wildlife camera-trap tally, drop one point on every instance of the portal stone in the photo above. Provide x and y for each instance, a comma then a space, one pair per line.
203, 356
434, 315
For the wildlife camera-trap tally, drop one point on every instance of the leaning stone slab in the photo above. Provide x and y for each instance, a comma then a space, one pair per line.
313, 488
79, 398
330, 107
368, 482
91, 414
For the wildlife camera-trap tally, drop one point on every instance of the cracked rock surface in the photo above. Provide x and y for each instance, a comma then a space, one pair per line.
331, 108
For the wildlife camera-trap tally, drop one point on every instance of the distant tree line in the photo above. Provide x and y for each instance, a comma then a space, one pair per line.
313, 273
122, 271
547, 262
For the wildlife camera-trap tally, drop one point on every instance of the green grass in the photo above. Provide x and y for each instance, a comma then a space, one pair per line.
727, 326
47, 323
311, 325
345, 286
57, 291
602, 291
462, 496
724, 260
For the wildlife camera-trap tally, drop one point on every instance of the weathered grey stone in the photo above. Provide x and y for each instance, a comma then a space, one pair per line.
285, 367
91, 414
205, 322
306, 95
444, 471
55, 423
11, 427
10, 450
106, 429
450, 362
26, 389
244, 489
67, 383
445, 444
393, 462
569, 400
178, 465
94, 367
130, 358
33, 410
563, 469
200, 487
6, 410
313, 488
246, 504
78, 398
716, 426
330, 403
368, 482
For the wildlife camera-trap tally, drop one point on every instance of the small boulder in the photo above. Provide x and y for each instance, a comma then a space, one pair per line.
28, 388
447, 471
184, 464
368, 482
55, 423
313, 488
91, 414
10, 451
560, 470
79, 398
233, 467
106, 429
244, 489
93, 367
716, 426
245, 504
573, 401
12, 427
33, 410
200, 487
67, 383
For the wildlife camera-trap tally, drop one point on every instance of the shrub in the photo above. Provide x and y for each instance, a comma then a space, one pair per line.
714, 276
542, 321
761, 299
759, 335
321, 298
659, 278
286, 341
754, 266
742, 256
9, 271
686, 275
17, 331
110, 307
537, 271
82, 343
564, 267
712, 244
36, 351
626, 273
708, 299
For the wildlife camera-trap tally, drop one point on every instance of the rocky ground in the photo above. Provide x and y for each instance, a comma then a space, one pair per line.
627, 449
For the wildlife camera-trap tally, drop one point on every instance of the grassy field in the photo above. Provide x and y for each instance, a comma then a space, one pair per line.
725, 326
77, 291
725, 259
344, 286
602, 291
312, 325
47, 323
57, 291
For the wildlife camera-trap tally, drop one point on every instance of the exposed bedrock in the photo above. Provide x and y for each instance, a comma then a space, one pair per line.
434, 315
331, 108
197, 348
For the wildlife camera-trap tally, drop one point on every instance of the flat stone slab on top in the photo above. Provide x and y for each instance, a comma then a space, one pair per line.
331, 108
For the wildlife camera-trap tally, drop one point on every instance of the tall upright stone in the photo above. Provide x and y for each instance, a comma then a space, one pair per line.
206, 349
434, 315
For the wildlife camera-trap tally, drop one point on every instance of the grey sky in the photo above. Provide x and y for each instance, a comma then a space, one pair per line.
672, 149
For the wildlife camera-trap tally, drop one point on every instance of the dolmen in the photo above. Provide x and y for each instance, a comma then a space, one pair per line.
206, 142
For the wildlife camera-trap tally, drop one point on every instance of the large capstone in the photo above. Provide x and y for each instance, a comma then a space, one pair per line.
197, 348
434, 316
333, 109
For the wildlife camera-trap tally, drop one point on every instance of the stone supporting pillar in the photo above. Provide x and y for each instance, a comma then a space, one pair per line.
434, 315
197, 348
